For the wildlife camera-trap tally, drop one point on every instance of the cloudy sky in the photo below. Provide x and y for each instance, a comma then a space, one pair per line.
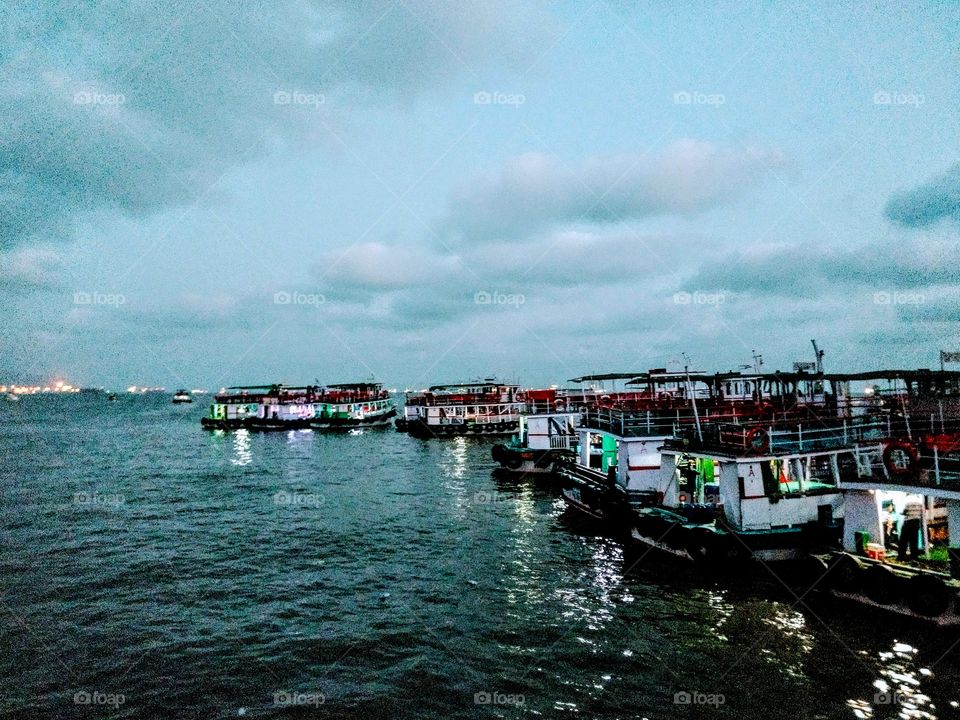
202, 195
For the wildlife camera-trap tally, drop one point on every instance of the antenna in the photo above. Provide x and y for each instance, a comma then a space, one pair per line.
757, 361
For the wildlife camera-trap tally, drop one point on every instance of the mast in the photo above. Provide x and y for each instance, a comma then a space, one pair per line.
693, 396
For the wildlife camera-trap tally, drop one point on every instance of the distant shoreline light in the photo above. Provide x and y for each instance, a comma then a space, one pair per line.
57, 387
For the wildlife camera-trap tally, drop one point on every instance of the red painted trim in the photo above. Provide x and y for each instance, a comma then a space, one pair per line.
643, 467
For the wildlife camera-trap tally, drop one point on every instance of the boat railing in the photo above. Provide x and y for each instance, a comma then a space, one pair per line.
812, 434
931, 468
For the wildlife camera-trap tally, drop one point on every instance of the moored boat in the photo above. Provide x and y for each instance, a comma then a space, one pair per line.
182, 396
484, 407
280, 407
544, 440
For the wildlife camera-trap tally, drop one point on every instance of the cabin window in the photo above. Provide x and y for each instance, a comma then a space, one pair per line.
784, 476
847, 467
820, 473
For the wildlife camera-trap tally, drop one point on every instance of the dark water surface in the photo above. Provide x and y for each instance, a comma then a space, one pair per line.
152, 569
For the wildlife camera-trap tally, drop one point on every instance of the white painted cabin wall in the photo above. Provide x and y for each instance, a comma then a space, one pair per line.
953, 522
730, 492
861, 512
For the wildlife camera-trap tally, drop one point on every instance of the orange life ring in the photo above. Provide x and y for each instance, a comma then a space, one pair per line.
900, 458
758, 439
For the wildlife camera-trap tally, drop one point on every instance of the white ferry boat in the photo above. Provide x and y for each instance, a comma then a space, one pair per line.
620, 439
279, 407
485, 407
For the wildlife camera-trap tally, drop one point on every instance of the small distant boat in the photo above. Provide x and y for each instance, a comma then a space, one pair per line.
112, 397
13, 397
182, 396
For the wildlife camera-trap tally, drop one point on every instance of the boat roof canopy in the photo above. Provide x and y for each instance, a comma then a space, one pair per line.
919, 374
473, 384
605, 376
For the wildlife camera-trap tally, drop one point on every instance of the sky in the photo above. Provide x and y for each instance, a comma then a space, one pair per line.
426, 192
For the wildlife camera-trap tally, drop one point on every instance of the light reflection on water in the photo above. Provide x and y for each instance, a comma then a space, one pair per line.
241, 448
898, 692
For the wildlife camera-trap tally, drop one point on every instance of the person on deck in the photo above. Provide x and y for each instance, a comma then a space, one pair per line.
910, 532
890, 537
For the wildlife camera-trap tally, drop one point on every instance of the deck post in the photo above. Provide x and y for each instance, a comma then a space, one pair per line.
953, 523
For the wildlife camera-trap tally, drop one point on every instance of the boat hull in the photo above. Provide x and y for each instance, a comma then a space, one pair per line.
346, 423
426, 431
525, 461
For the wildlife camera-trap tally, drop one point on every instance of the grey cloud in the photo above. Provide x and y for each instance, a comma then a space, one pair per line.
927, 204
535, 191
136, 107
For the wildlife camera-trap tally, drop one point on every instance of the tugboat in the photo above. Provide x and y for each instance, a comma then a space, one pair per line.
182, 396
485, 407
